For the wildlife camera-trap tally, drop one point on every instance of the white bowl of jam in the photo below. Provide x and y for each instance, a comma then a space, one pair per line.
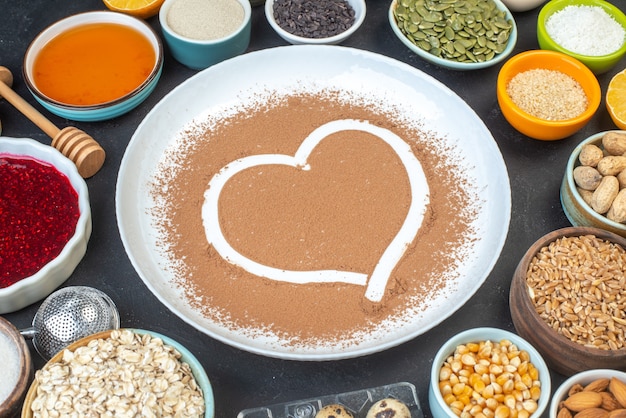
93, 66
46, 216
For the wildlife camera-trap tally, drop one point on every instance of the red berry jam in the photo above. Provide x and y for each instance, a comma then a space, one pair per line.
38, 216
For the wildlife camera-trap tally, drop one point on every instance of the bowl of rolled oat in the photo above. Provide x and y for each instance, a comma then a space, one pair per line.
125, 372
566, 299
547, 95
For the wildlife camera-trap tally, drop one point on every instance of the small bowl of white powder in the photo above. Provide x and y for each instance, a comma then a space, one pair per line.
17, 369
201, 33
592, 31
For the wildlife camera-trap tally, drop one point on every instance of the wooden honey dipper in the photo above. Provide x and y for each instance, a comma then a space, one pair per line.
75, 144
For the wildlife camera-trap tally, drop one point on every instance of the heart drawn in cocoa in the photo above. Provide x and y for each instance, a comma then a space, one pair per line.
374, 281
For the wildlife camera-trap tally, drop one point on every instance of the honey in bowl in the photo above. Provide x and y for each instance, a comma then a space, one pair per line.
93, 64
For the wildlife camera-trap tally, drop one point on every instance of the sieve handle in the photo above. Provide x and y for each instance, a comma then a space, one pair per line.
28, 333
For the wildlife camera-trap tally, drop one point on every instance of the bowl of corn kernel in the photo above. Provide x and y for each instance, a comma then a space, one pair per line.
488, 372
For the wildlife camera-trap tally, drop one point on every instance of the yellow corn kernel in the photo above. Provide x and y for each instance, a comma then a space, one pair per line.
462, 349
518, 395
456, 411
488, 391
526, 394
464, 374
495, 369
480, 415
499, 397
492, 404
488, 413
454, 379
457, 405
530, 405
479, 386
533, 372
456, 365
444, 373
468, 359
522, 369
464, 399
445, 387
497, 388
449, 398
524, 356
475, 410
473, 347
485, 351
503, 378
515, 361
502, 412
465, 414
508, 386
482, 366
535, 393
527, 380
458, 388
510, 401
523, 414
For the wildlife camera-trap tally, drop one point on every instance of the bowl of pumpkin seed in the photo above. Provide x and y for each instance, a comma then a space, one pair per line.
455, 34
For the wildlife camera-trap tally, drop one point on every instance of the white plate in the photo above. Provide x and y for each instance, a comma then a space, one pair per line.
439, 110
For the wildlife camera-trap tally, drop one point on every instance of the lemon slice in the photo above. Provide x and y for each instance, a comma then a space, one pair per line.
616, 99
139, 8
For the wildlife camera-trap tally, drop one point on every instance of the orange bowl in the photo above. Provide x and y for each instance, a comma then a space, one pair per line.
534, 127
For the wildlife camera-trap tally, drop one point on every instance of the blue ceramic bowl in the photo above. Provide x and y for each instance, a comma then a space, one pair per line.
579, 212
439, 408
448, 63
102, 111
196, 368
597, 64
200, 54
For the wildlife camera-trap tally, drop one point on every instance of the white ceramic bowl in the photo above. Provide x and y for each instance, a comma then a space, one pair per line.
36, 287
439, 408
359, 16
109, 109
582, 378
201, 54
522, 5
448, 63
186, 356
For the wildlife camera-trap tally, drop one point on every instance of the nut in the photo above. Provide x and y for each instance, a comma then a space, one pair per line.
598, 385
580, 401
611, 165
618, 389
609, 402
592, 413
604, 194
617, 413
590, 155
614, 143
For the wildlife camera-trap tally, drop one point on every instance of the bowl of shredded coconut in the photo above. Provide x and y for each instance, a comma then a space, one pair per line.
592, 31
547, 95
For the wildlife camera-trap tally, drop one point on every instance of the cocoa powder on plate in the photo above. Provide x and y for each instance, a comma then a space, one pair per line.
340, 215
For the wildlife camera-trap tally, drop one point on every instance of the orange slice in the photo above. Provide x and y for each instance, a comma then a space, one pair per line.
616, 99
142, 9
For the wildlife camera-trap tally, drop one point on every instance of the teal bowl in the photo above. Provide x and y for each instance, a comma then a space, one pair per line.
438, 406
101, 111
598, 64
577, 211
200, 54
196, 368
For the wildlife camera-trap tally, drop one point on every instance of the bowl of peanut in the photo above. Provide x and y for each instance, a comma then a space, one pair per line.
566, 299
124, 372
488, 372
598, 392
593, 191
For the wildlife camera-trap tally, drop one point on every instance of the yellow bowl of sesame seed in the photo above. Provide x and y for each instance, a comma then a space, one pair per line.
565, 299
547, 95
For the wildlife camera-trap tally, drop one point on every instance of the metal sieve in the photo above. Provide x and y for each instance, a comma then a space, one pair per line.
68, 315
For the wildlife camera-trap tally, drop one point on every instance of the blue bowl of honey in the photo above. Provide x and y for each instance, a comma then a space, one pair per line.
93, 66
